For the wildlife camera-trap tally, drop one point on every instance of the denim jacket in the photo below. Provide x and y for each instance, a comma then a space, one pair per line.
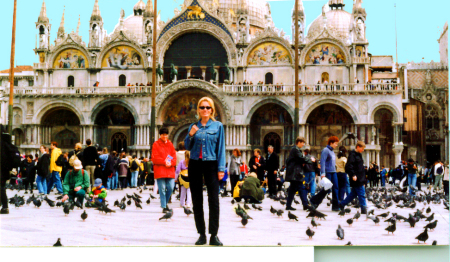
327, 161
212, 140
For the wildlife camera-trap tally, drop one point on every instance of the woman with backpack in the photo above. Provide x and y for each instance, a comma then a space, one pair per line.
438, 174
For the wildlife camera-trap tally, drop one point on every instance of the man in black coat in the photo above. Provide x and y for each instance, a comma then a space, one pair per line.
355, 170
257, 164
294, 174
91, 160
272, 165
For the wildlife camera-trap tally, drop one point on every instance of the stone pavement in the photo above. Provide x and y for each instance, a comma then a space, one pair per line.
29, 226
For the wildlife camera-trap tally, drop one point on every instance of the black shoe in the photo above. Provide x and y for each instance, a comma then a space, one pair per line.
308, 208
291, 208
336, 209
214, 241
363, 210
165, 210
201, 240
26, 192
341, 207
4, 211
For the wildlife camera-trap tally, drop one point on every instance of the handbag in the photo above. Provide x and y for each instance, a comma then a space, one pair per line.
326, 183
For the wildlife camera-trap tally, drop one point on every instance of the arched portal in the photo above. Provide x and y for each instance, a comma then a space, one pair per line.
194, 54
111, 120
383, 122
119, 142
325, 121
61, 125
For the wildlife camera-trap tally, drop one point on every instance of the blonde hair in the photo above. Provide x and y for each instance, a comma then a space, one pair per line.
360, 144
105, 150
187, 155
211, 103
78, 146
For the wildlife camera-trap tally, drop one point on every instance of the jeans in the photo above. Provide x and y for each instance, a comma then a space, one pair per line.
54, 179
41, 183
165, 186
334, 190
344, 185
79, 195
293, 188
383, 180
115, 181
134, 177
359, 192
412, 179
208, 170
438, 182
123, 182
310, 177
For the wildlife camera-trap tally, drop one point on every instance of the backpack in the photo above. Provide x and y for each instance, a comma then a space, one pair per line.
439, 170
134, 165
10, 155
59, 160
73, 158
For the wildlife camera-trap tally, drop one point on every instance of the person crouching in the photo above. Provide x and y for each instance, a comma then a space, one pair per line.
98, 192
76, 183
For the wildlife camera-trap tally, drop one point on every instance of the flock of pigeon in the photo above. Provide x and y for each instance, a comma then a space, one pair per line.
381, 198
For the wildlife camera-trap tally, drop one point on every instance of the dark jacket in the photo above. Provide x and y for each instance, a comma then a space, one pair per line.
260, 169
294, 165
251, 188
28, 170
309, 165
272, 163
43, 166
90, 156
411, 169
355, 167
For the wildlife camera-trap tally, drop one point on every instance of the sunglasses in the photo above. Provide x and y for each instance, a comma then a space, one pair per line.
204, 107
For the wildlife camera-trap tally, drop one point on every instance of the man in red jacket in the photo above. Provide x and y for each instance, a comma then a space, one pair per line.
164, 163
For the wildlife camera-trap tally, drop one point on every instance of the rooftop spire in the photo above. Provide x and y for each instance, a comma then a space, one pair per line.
148, 9
78, 26
61, 25
96, 16
43, 14
300, 9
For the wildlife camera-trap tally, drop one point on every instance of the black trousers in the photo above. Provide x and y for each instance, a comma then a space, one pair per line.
272, 181
3, 195
233, 179
208, 170
123, 182
446, 188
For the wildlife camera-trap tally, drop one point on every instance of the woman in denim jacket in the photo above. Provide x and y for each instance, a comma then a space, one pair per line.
206, 142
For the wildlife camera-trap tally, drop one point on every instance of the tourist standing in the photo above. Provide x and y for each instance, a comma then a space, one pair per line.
295, 175
383, 174
272, 166
164, 160
343, 182
445, 179
43, 170
412, 176
355, 170
90, 160
28, 173
309, 170
234, 168
134, 168
206, 141
107, 166
122, 170
55, 170
438, 174
257, 164
328, 169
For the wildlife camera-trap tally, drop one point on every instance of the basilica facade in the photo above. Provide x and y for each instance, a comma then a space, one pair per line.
229, 50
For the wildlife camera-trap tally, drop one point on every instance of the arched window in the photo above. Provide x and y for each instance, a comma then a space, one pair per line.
119, 142
122, 80
269, 79
70, 81
41, 30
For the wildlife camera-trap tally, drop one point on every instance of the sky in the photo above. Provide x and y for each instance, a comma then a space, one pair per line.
419, 23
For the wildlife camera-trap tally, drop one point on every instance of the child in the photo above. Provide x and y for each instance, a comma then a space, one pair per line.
182, 174
98, 191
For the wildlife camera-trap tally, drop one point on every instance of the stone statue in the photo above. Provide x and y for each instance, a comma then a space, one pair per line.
428, 77
94, 36
214, 73
173, 73
149, 32
240, 55
176, 11
360, 29
42, 41
227, 73
122, 13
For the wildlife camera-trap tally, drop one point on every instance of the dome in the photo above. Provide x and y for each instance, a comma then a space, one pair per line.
135, 26
139, 6
257, 10
338, 23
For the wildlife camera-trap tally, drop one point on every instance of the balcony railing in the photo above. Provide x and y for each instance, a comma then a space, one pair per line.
313, 89
84, 91
361, 60
39, 66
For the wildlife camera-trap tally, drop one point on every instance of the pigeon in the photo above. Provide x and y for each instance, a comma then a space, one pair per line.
257, 207
310, 233
357, 215
391, 228
434, 243
340, 232
430, 218
58, 243
145, 187
59, 197
349, 244
411, 220
187, 211
37, 203
292, 216
273, 210
428, 210
244, 221
122, 206
384, 215
431, 226
313, 223
246, 207
136, 195
50, 202
296, 202
137, 205
148, 201
423, 236
350, 221
376, 220
282, 202
66, 209
107, 210
341, 213
84, 215
129, 202
116, 203
152, 197
78, 204
58, 204
167, 215
280, 213
348, 210
233, 201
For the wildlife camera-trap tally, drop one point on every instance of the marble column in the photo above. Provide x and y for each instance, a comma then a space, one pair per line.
203, 68
188, 71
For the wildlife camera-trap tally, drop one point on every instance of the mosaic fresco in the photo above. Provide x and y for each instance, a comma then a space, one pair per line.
269, 54
122, 57
69, 59
325, 54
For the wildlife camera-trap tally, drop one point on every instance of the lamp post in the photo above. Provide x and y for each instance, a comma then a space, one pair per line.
11, 71
297, 110
153, 113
